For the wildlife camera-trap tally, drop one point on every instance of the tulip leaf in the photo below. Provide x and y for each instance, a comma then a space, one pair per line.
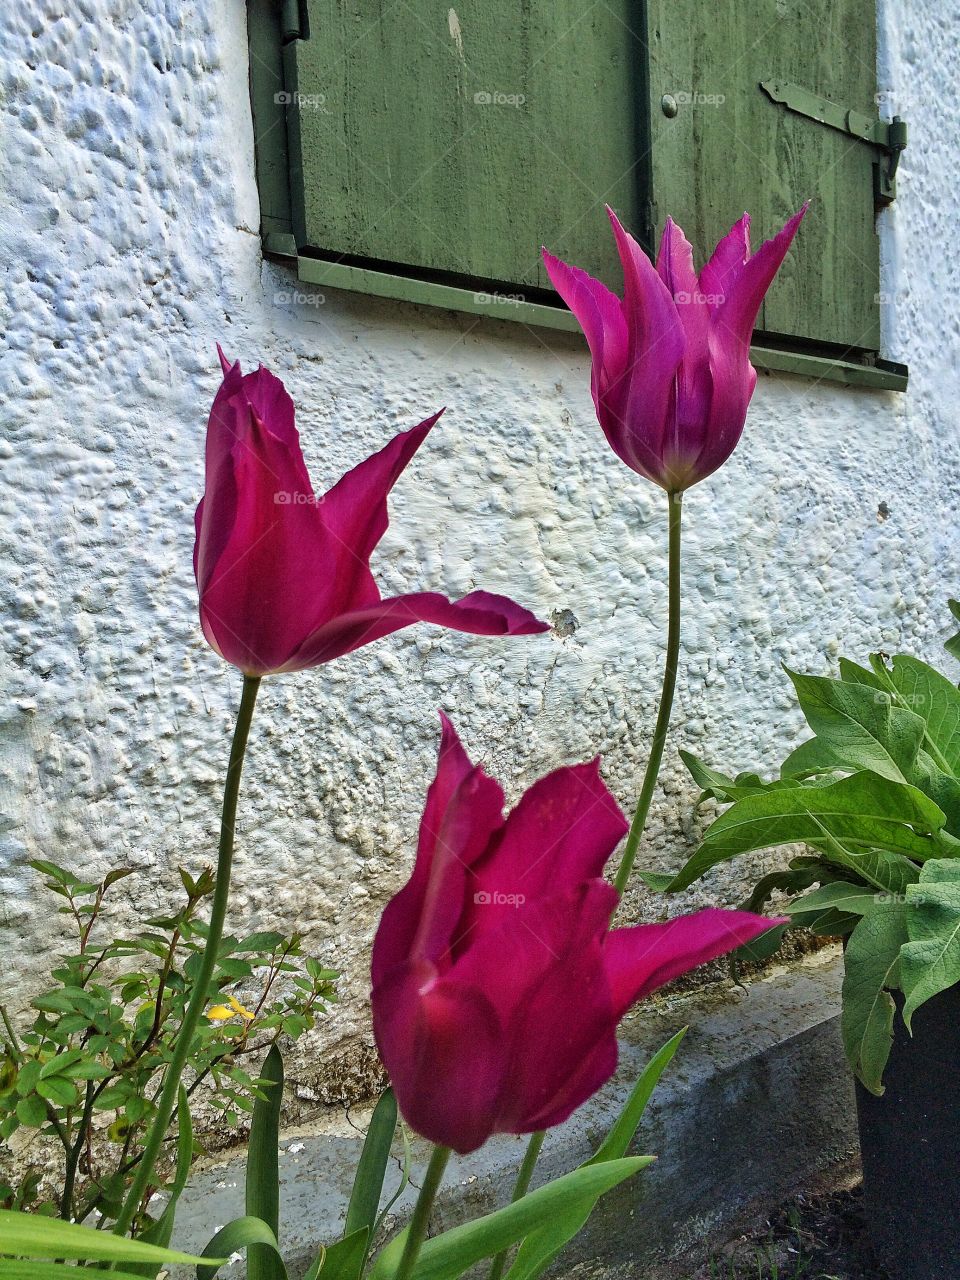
871, 970
864, 810
28, 1235
262, 1183
30, 1269
344, 1260
372, 1167
241, 1233
542, 1246
953, 644
449, 1255
930, 960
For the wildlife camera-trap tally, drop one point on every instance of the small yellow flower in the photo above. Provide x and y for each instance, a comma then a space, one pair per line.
220, 1012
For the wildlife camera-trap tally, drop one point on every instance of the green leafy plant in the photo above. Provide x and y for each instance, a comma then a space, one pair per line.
85, 1067
874, 796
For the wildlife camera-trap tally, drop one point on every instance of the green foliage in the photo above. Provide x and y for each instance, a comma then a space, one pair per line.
31, 1239
875, 797
86, 1064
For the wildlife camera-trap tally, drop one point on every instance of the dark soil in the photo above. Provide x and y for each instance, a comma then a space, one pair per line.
814, 1237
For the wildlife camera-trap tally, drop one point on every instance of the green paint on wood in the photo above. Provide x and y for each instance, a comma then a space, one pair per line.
730, 148
460, 137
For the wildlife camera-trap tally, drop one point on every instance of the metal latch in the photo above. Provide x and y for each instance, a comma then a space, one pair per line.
888, 136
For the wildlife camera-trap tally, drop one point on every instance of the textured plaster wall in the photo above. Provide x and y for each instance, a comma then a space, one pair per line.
128, 233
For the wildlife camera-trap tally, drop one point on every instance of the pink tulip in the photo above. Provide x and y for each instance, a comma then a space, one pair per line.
672, 376
284, 577
497, 980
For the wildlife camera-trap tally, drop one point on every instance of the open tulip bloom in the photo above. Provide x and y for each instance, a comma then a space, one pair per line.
284, 576
672, 377
498, 982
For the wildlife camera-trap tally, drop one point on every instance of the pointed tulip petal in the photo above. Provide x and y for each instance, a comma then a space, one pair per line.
644, 957
726, 262
599, 314
638, 408
464, 809
355, 513
684, 439
480, 613
560, 834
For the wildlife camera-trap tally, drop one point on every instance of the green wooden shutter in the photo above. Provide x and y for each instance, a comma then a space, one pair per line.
456, 139
425, 150
730, 147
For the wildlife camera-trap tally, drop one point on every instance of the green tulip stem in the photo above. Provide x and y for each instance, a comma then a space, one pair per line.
417, 1230
198, 998
520, 1189
666, 697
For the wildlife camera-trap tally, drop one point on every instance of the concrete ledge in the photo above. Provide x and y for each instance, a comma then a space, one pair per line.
757, 1103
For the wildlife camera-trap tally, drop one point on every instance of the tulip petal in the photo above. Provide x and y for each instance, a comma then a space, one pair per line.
644, 957
261, 547
684, 437
638, 407
464, 808
530, 968
600, 316
734, 378
480, 613
726, 262
441, 1045
355, 514
561, 833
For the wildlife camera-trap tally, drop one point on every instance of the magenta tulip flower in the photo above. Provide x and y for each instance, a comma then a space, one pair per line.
672, 376
497, 980
284, 576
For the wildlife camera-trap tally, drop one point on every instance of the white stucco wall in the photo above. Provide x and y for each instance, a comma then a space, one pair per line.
128, 233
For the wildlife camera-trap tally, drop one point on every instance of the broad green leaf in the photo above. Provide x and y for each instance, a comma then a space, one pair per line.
344, 1260
449, 1255
863, 810
761, 948
371, 1169
793, 880
718, 786
853, 673
241, 1233
953, 644
542, 1246
936, 700
262, 1184
815, 756
860, 727
29, 1236
161, 1229
61, 1092
839, 895
871, 970
930, 961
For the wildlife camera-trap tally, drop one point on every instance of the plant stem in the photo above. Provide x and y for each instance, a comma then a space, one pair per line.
666, 697
421, 1214
520, 1189
198, 997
